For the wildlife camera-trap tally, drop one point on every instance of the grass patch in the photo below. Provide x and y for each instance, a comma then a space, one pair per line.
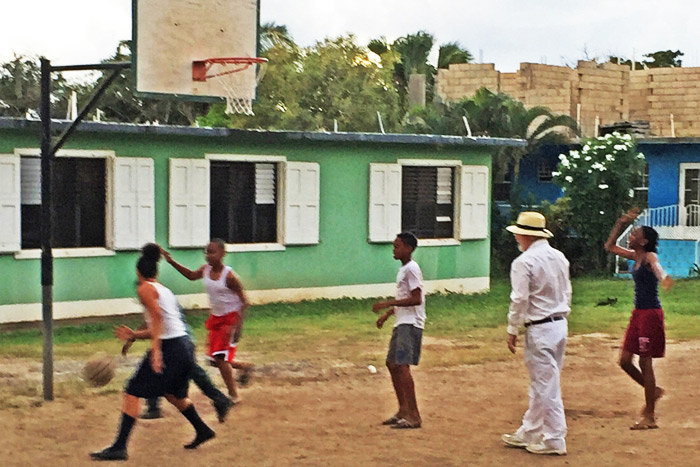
471, 326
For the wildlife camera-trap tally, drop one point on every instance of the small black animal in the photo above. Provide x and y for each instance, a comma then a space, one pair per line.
608, 301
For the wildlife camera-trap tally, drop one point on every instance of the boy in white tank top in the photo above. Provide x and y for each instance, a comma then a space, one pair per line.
228, 304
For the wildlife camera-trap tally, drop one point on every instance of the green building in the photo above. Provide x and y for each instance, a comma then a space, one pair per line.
304, 214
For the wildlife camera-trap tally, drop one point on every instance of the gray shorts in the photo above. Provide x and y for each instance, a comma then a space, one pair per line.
404, 348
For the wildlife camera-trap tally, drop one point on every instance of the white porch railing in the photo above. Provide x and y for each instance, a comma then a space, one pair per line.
671, 216
671, 222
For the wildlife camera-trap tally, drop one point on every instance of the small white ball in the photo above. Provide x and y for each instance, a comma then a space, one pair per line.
372, 369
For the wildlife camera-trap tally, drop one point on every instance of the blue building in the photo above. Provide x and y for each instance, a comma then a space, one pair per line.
674, 200
670, 187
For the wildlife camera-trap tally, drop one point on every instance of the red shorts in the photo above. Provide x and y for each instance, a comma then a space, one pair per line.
220, 337
645, 334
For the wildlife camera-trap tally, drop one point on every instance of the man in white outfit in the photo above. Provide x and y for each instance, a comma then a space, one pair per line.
540, 301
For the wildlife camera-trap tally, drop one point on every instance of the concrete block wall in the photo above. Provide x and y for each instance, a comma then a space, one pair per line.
465, 79
609, 91
657, 93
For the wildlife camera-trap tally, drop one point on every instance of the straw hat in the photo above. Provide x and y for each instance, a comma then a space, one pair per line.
530, 223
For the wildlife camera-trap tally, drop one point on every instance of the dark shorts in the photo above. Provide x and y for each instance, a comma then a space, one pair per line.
404, 348
177, 363
645, 334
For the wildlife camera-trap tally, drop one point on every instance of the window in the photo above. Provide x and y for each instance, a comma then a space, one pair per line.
77, 202
690, 195
98, 201
544, 171
427, 203
434, 199
253, 202
243, 207
641, 190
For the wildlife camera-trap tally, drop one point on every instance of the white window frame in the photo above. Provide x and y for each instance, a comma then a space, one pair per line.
109, 156
458, 165
281, 201
683, 166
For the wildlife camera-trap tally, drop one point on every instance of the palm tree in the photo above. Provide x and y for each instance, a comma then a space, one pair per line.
275, 35
451, 53
496, 115
500, 115
414, 50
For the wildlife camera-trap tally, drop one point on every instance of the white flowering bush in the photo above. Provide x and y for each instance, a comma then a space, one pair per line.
599, 180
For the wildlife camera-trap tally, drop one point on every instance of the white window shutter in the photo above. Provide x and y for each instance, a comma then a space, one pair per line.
302, 189
134, 215
474, 202
189, 202
10, 203
384, 202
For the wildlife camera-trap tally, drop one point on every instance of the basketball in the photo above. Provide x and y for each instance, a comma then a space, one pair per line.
99, 370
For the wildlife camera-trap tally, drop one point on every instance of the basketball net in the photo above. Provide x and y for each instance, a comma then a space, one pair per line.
237, 76
236, 79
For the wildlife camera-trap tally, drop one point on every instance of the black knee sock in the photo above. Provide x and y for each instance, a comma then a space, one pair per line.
193, 417
124, 430
153, 404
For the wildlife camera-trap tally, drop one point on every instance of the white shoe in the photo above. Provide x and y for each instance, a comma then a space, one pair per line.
514, 441
541, 448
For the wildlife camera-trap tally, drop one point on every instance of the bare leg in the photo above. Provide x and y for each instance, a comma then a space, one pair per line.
408, 388
238, 365
245, 371
650, 389
131, 405
227, 374
398, 389
627, 365
638, 376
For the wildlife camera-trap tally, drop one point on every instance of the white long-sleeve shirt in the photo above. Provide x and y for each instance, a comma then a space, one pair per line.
540, 284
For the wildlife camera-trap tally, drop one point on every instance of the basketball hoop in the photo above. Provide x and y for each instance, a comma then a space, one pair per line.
238, 77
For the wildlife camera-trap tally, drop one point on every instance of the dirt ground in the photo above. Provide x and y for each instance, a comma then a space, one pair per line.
300, 414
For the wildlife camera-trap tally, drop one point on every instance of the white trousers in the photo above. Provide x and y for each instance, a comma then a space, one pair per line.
544, 420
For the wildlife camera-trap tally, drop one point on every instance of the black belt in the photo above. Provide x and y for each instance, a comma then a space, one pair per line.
549, 319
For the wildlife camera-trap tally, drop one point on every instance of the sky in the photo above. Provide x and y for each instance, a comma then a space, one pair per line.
504, 32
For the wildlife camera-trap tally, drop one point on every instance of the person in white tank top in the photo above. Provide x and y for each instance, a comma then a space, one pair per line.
164, 369
228, 304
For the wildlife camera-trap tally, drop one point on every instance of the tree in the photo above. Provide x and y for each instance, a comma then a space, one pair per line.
20, 88
119, 102
414, 50
451, 53
660, 59
599, 182
275, 35
314, 87
496, 115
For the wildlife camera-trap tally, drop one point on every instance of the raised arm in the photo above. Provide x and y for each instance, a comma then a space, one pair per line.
188, 273
620, 225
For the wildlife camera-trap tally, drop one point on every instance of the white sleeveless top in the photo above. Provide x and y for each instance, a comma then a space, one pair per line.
221, 299
173, 325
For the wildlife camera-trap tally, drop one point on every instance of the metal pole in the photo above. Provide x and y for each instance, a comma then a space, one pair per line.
46, 254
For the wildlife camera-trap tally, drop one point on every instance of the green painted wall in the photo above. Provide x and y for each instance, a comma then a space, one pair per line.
343, 256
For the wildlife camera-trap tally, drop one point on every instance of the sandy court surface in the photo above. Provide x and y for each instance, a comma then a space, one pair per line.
300, 414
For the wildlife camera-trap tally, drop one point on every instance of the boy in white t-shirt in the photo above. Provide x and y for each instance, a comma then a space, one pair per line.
404, 348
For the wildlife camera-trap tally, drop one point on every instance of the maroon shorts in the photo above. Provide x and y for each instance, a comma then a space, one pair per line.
645, 334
